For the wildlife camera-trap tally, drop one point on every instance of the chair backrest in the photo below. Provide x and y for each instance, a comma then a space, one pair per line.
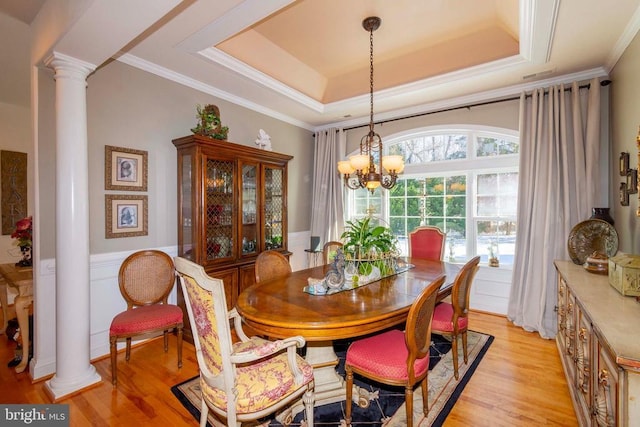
329, 251
427, 242
146, 277
207, 308
271, 265
418, 325
462, 287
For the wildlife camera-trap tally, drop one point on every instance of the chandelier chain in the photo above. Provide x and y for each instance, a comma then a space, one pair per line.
371, 79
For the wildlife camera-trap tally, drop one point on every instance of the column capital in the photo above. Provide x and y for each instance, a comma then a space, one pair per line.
68, 66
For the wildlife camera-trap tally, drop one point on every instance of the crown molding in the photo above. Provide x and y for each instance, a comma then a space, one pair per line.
173, 76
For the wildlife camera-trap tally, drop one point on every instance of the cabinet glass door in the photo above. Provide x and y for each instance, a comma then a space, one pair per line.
249, 199
274, 214
218, 220
186, 213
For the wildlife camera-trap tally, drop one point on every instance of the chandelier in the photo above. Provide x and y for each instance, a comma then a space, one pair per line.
365, 170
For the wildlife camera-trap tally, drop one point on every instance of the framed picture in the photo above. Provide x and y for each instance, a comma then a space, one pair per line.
125, 216
624, 163
632, 181
624, 194
125, 169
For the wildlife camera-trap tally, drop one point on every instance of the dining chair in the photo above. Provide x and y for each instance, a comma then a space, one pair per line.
248, 379
145, 279
427, 242
450, 319
395, 357
271, 265
329, 251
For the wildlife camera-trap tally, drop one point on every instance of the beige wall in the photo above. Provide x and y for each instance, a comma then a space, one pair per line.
134, 109
501, 114
625, 113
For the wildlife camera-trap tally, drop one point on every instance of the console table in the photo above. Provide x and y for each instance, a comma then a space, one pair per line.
599, 346
20, 278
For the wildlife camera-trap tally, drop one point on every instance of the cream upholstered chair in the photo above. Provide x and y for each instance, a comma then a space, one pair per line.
271, 265
329, 251
146, 278
395, 357
427, 242
241, 381
450, 319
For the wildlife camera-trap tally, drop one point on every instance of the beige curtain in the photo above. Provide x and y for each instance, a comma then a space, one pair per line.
559, 182
327, 218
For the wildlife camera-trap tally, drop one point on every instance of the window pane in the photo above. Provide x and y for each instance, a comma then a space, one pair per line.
497, 239
497, 194
432, 148
396, 206
435, 186
495, 147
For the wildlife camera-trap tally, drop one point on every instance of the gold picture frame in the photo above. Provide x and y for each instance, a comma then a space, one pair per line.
125, 216
125, 169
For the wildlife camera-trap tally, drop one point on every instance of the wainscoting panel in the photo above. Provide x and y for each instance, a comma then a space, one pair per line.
489, 293
490, 290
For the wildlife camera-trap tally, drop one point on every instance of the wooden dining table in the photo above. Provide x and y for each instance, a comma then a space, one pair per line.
281, 308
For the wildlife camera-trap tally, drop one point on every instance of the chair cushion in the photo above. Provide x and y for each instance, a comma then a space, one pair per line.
259, 385
442, 316
384, 355
145, 318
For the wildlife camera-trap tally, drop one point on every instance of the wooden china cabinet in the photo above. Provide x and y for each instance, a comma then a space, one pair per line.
232, 205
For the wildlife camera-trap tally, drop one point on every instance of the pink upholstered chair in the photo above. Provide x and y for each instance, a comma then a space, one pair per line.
450, 319
146, 278
395, 357
246, 380
427, 242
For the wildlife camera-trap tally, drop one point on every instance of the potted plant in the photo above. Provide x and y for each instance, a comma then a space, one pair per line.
209, 123
370, 249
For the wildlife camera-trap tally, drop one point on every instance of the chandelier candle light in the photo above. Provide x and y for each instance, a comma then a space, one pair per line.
368, 172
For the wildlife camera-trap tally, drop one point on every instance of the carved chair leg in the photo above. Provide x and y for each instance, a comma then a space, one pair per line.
349, 400
408, 401
454, 353
114, 360
179, 346
128, 351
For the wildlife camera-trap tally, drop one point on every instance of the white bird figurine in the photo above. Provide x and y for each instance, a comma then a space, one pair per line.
264, 140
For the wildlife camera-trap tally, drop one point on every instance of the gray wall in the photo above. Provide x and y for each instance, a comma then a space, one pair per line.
130, 108
625, 113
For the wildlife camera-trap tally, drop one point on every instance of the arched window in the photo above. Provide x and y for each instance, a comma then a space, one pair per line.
463, 179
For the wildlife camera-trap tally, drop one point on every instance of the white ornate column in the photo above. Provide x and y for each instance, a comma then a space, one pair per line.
73, 368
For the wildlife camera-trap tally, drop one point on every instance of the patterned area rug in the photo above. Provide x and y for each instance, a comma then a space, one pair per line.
387, 409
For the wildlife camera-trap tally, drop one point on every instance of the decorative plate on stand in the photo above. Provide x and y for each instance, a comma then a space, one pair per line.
592, 235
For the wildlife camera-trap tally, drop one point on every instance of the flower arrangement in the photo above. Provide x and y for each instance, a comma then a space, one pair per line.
24, 239
23, 232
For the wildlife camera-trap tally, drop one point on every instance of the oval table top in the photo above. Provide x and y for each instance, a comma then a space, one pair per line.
280, 308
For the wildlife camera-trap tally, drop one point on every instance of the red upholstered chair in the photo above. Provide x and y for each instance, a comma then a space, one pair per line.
450, 319
246, 380
146, 279
427, 242
395, 357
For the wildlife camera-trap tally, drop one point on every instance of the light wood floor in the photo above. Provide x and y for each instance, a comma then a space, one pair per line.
518, 383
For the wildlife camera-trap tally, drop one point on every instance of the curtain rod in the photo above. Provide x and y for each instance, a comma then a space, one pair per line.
478, 104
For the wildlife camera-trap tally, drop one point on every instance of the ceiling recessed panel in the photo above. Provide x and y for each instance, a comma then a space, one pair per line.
320, 48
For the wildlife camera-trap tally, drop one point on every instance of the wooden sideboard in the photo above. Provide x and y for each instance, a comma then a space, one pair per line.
599, 346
